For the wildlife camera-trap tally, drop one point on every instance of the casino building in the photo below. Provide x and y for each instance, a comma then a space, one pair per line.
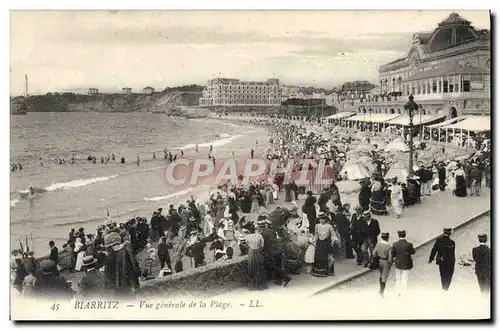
233, 93
448, 72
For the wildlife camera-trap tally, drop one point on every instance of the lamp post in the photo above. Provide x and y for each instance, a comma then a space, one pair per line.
411, 107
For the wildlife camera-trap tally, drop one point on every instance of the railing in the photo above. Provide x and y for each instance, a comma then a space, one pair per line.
426, 97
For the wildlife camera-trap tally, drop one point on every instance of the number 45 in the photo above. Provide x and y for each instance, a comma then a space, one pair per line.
55, 307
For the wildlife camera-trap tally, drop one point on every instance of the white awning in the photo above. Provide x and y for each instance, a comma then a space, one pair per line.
341, 115
447, 122
473, 123
417, 120
374, 118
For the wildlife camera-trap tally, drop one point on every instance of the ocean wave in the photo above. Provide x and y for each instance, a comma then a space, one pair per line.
217, 143
160, 198
14, 202
114, 217
78, 183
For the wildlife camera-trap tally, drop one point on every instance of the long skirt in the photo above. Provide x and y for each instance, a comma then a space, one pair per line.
79, 260
270, 198
256, 269
385, 268
377, 203
396, 206
255, 207
321, 252
461, 190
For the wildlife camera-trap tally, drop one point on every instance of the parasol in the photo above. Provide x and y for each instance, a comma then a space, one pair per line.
399, 170
356, 171
397, 146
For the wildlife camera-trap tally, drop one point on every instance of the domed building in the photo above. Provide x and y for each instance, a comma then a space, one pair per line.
446, 70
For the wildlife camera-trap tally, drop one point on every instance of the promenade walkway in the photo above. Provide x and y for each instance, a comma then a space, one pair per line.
422, 222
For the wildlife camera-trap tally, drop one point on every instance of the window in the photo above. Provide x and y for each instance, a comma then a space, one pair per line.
466, 86
440, 90
451, 88
428, 88
445, 86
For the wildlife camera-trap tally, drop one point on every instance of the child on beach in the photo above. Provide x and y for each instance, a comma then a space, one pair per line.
309, 256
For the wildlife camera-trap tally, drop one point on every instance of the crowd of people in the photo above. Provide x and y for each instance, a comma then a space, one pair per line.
235, 221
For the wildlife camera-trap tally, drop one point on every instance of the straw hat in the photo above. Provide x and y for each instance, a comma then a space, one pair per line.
89, 261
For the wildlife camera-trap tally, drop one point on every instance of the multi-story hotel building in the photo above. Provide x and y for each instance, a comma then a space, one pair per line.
233, 92
446, 70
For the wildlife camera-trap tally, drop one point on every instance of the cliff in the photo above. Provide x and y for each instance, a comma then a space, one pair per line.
161, 102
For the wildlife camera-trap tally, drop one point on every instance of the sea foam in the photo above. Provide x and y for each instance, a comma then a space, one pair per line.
161, 198
78, 183
217, 143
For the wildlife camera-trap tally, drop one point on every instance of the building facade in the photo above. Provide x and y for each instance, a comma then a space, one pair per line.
93, 91
233, 92
148, 90
289, 92
447, 71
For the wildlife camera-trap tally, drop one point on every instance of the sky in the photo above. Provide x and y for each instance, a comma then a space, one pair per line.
109, 50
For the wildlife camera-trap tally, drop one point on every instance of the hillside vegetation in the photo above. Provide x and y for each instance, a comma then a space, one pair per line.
166, 101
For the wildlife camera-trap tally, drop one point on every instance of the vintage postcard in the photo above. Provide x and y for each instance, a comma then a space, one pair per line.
250, 165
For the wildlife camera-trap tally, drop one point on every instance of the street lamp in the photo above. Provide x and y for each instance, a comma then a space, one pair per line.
411, 107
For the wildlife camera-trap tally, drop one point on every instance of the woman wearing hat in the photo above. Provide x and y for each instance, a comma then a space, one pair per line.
80, 249
460, 182
325, 239
122, 271
378, 199
93, 283
255, 243
383, 252
396, 198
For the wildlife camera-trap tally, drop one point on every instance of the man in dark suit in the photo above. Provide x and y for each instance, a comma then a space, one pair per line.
372, 232
402, 250
358, 232
444, 252
54, 253
482, 257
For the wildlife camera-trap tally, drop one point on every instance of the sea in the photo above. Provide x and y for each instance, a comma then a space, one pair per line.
80, 195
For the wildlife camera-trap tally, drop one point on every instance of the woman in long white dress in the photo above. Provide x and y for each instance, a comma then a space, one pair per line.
80, 253
396, 198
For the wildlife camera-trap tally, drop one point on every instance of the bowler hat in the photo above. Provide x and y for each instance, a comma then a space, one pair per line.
401, 233
447, 231
385, 236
